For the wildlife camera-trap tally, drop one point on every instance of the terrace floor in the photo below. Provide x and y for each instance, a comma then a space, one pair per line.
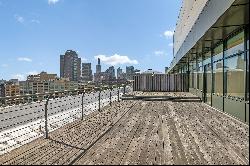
142, 132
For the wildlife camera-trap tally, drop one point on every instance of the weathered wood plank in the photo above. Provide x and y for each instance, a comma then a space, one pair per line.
150, 132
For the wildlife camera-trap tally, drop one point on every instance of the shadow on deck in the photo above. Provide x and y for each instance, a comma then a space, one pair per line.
143, 132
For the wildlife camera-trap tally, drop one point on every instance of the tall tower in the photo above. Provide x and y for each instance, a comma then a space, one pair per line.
98, 67
130, 71
70, 66
119, 73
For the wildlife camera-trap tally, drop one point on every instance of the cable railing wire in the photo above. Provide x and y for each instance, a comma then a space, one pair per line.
49, 114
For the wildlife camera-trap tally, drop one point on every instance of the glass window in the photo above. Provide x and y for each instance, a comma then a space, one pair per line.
199, 60
200, 78
218, 77
191, 78
191, 75
218, 53
209, 82
235, 44
247, 88
247, 85
185, 69
195, 79
235, 76
207, 58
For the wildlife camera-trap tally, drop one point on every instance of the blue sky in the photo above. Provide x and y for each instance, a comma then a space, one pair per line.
33, 34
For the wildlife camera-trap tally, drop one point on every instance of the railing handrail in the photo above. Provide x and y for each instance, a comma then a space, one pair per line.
47, 96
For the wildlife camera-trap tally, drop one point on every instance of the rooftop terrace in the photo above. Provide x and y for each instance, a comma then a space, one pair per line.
142, 132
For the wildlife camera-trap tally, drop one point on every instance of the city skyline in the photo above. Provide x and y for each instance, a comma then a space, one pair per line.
33, 35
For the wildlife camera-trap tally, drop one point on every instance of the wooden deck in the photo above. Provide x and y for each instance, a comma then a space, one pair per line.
142, 132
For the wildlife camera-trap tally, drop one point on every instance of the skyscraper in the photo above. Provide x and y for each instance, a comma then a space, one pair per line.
119, 73
130, 71
70, 66
111, 72
86, 72
98, 67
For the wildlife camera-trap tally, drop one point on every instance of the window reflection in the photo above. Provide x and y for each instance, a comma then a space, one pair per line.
200, 78
218, 77
208, 82
247, 85
235, 44
235, 76
218, 53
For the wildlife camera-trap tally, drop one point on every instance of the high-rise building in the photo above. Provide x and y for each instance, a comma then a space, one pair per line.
98, 67
2, 90
98, 74
70, 66
111, 72
130, 71
119, 73
86, 72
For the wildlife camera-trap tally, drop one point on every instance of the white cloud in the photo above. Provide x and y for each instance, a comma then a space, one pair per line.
170, 44
158, 53
52, 2
116, 59
4, 65
84, 59
20, 77
24, 59
23, 76
35, 21
32, 73
168, 33
19, 18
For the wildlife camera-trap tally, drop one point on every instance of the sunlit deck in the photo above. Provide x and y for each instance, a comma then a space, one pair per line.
143, 132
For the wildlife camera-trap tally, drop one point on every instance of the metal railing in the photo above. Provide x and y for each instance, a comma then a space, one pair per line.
23, 123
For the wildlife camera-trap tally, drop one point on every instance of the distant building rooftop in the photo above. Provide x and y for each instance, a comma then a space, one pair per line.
150, 71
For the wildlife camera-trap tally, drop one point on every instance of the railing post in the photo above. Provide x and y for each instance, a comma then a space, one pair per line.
82, 104
110, 96
118, 95
124, 89
46, 118
99, 98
